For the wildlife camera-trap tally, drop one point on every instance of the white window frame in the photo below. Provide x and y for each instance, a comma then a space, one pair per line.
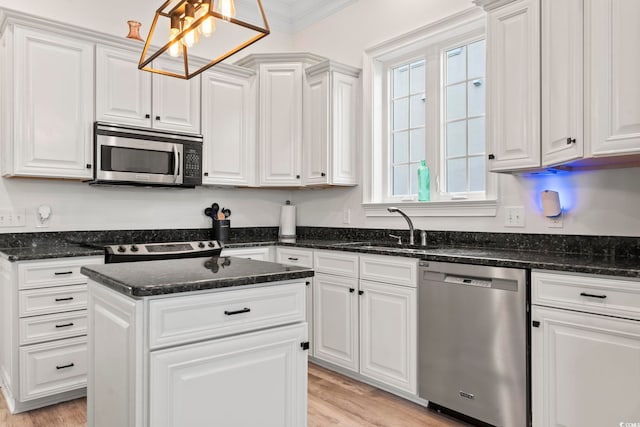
429, 42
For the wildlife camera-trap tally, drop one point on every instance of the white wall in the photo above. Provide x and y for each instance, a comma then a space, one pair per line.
78, 206
600, 203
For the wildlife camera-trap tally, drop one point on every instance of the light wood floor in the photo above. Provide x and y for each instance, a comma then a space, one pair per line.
334, 400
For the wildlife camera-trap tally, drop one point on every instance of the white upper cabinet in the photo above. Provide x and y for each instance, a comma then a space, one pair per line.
613, 82
513, 102
280, 124
123, 93
562, 81
47, 105
330, 124
176, 102
228, 126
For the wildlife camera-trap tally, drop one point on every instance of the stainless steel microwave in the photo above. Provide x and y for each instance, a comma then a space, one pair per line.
128, 155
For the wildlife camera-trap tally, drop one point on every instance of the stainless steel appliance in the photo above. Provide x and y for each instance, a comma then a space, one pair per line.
159, 251
472, 341
138, 156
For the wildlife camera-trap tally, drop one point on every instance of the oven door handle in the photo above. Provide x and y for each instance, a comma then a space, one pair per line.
176, 163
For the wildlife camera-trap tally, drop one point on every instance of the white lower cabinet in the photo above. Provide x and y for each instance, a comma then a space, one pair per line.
388, 330
586, 369
366, 326
585, 366
335, 310
256, 253
256, 379
246, 374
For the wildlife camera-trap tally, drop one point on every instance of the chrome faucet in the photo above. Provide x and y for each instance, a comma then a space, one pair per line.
394, 209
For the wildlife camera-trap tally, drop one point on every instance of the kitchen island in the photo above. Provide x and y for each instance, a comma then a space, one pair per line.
197, 342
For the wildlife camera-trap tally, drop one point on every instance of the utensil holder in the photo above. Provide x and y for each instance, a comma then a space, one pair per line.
221, 229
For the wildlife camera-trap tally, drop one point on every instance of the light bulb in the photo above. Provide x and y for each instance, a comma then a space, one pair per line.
227, 9
175, 48
208, 26
191, 34
189, 38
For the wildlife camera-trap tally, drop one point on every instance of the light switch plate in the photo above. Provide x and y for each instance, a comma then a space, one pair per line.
12, 218
346, 216
514, 216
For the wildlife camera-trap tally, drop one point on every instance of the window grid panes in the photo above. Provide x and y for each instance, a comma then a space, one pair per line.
464, 159
408, 102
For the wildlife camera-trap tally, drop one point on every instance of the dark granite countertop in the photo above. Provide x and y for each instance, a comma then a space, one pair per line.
140, 279
50, 251
572, 262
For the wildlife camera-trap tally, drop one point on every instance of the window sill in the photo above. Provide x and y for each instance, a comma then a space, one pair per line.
448, 208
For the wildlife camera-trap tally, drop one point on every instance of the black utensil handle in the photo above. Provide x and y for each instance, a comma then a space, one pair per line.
70, 365
584, 294
64, 325
61, 273
231, 313
64, 299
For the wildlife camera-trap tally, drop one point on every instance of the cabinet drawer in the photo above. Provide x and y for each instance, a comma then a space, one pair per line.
42, 274
338, 263
258, 254
52, 300
54, 367
385, 269
300, 257
594, 294
52, 327
197, 317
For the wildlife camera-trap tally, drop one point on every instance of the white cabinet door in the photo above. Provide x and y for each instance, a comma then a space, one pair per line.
123, 93
176, 102
562, 80
316, 130
52, 105
513, 101
344, 128
309, 313
388, 334
257, 379
335, 315
280, 117
585, 369
228, 127
612, 84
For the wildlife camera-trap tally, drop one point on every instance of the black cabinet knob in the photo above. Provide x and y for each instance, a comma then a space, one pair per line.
360, 292
571, 141
157, 117
297, 176
491, 157
323, 174
147, 116
88, 165
206, 174
351, 290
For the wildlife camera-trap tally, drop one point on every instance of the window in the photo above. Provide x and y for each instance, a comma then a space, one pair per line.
424, 99
464, 160
407, 130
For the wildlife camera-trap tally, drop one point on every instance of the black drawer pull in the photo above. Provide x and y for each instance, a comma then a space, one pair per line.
584, 294
62, 273
231, 313
64, 325
292, 258
64, 299
70, 365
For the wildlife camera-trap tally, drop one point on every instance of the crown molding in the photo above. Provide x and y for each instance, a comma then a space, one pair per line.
255, 59
329, 65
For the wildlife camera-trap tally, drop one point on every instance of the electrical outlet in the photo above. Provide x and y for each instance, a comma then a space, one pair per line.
514, 216
554, 222
12, 218
346, 216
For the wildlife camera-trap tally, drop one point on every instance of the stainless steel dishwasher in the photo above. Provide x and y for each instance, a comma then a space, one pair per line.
472, 341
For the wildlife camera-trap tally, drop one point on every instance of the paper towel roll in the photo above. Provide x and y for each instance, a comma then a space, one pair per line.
287, 232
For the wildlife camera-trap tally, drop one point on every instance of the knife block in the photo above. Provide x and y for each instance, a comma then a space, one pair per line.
221, 229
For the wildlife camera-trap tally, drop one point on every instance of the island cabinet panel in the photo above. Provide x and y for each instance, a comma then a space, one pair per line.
254, 379
196, 317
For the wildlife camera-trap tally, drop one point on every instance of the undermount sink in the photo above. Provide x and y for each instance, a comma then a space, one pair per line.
383, 246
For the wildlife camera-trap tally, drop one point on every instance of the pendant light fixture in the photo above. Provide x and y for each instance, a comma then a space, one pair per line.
191, 21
